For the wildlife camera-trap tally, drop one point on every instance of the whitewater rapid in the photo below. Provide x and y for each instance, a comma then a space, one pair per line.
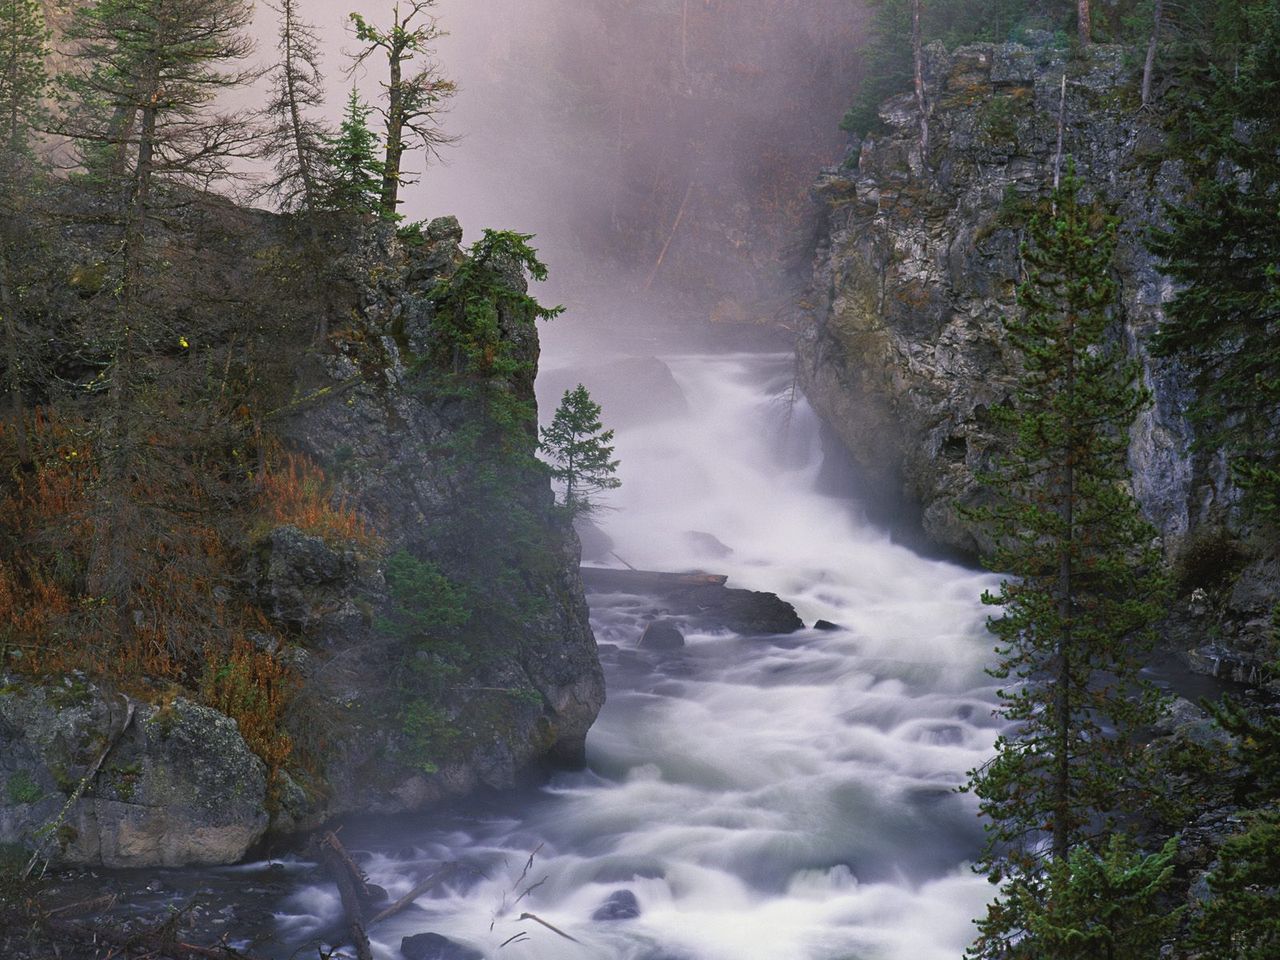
762, 800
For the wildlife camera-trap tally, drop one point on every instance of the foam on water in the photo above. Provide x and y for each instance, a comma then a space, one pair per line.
762, 801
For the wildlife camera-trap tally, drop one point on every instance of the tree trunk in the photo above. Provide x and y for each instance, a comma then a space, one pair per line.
110, 562
1084, 22
339, 867
309, 191
1148, 68
1066, 605
395, 132
17, 408
917, 56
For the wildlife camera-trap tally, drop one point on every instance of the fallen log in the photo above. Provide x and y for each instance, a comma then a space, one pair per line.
352, 888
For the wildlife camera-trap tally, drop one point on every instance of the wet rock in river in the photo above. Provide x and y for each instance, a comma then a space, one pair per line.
662, 635
620, 905
701, 600
432, 946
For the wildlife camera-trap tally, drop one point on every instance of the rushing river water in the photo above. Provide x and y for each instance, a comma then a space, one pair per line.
762, 800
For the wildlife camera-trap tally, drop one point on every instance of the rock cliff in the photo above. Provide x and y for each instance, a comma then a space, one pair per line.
918, 260
445, 649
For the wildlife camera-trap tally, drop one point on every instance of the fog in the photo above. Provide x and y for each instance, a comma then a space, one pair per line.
656, 147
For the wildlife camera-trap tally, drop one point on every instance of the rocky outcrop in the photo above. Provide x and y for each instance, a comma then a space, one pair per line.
528, 691
906, 356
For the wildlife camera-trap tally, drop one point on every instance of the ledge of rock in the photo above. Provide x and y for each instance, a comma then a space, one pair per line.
701, 600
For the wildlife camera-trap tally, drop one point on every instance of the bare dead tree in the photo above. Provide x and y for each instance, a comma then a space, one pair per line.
917, 57
291, 137
413, 100
1149, 66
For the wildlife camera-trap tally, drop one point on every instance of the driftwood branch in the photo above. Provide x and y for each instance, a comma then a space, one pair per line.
536, 919
78, 792
434, 880
671, 236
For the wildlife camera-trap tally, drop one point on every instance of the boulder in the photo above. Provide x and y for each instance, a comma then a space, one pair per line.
432, 946
179, 785
662, 635
826, 625
619, 905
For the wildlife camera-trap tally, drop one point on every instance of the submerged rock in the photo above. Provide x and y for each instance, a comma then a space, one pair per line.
619, 905
432, 946
662, 635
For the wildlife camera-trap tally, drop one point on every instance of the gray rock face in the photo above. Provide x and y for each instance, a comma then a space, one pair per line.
906, 354
179, 786
386, 438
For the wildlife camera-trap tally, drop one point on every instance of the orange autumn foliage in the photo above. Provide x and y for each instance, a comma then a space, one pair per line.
294, 491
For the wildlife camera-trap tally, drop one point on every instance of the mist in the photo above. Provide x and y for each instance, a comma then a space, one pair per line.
662, 148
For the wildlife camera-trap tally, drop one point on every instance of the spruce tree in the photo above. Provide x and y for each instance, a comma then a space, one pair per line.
295, 140
580, 450
1083, 586
1221, 247
355, 178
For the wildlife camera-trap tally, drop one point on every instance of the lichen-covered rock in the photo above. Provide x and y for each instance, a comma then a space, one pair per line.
178, 785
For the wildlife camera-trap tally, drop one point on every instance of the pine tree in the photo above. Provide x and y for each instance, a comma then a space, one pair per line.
1083, 586
295, 140
355, 181
1221, 247
1241, 920
580, 450
24, 45
413, 103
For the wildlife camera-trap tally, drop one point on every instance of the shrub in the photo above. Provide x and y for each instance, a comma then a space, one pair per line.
294, 491
253, 688
1209, 559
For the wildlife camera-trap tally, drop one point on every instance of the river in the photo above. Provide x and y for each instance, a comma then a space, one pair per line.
787, 799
